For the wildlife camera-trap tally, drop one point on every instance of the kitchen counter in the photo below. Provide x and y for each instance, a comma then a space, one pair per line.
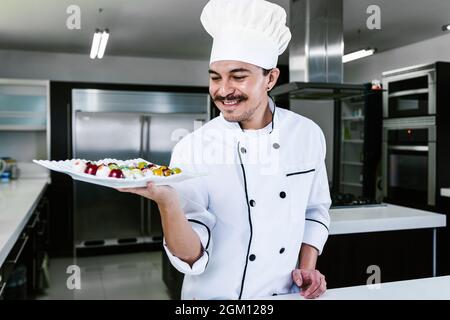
437, 288
18, 199
385, 217
445, 192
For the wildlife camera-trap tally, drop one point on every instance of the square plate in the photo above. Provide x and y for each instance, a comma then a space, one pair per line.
65, 166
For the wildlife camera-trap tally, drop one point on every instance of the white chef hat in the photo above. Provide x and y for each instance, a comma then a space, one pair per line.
252, 31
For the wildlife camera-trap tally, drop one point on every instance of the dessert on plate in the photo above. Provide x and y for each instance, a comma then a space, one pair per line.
128, 169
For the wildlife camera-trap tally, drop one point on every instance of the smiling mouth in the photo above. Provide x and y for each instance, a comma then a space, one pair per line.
231, 103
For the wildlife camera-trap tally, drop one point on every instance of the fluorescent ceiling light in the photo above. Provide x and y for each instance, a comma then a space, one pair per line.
358, 55
99, 43
95, 44
446, 27
103, 42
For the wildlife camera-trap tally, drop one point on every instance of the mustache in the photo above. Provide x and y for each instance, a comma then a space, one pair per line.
231, 97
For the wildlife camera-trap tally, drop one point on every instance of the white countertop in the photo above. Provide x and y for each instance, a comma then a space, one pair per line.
445, 192
437, 288
387, 217
18, 199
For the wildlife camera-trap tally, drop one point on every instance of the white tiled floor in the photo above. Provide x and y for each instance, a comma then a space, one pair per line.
136, 276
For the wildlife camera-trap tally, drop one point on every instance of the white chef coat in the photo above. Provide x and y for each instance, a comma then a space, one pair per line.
265, 193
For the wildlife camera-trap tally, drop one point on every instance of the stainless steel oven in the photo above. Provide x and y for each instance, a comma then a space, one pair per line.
409, 161
410, 92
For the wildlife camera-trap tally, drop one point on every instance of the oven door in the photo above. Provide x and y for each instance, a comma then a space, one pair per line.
408, 178
409, 168
410, 95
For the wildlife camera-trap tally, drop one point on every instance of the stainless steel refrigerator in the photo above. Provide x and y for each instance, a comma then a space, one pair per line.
126, 125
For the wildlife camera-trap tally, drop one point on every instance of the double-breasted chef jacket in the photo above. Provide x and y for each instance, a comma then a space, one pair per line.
261, 195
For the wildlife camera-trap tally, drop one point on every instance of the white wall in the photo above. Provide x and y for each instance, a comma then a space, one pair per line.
79, 67
428, 51
23, 145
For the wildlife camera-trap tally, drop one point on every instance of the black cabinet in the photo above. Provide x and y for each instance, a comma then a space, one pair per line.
356, 164
22, 274
349, 260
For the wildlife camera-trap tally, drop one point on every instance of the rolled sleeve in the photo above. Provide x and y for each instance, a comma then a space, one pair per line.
197, 268
316, 232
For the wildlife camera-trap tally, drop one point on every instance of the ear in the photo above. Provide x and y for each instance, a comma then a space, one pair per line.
273, 78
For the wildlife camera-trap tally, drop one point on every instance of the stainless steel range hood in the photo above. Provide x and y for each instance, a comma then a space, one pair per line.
315, 53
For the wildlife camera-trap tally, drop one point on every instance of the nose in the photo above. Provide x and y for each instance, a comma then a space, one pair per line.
225, 89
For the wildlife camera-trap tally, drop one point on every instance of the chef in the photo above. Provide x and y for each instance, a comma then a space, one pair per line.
256, 220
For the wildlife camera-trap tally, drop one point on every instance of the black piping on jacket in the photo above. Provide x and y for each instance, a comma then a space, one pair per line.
250, 222
318, 222
300, 172
209, 237
209, 231
248, 207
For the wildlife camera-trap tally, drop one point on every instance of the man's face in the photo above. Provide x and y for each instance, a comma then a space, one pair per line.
238, 89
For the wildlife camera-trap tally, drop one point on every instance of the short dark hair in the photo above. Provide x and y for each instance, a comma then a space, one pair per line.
266, 71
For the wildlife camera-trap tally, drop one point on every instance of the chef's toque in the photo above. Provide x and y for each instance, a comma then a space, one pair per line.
252, 31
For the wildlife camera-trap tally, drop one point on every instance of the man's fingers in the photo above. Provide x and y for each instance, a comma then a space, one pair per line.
320, 289
314, 285
306, 275
139, 191
297, 277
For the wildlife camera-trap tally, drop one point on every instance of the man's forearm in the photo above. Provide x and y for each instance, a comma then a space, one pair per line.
308, 257
180, 238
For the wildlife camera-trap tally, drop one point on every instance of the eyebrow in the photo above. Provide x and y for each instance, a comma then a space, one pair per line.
239, 70
232, 71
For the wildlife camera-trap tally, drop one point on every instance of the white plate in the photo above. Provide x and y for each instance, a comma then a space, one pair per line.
65, 166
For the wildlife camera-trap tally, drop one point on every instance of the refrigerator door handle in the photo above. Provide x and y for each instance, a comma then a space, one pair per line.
144, 141
141, 141
147, 137
148, 203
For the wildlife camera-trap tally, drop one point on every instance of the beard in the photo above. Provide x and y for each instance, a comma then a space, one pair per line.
231, 116
243, 116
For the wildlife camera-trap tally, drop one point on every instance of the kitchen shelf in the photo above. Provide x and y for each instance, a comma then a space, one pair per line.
352, 163
23, 105
352, 184
353, 141
15, 114
353, 118
22, 128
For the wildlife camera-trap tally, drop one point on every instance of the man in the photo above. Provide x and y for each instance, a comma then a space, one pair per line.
255, 224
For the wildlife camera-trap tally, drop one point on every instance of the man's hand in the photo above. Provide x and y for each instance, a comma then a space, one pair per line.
312, 282
162, 195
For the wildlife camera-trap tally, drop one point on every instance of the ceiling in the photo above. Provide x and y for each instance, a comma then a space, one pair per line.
172, 28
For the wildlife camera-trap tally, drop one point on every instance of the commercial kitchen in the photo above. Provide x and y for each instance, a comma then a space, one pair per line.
113, 80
